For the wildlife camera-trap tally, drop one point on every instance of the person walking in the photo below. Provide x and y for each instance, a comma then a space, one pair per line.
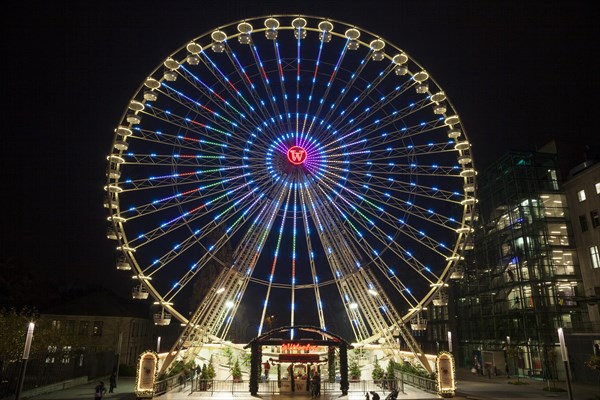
99, 391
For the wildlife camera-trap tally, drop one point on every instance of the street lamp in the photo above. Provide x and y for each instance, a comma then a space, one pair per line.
565, 358
512, 352
28, 340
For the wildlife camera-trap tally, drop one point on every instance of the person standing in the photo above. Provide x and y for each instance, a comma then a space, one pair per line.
99, 391
113, 382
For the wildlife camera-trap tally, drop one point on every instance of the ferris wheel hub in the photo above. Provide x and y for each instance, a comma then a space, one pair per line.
296, 155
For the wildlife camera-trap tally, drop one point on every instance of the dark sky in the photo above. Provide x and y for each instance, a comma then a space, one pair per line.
519, 73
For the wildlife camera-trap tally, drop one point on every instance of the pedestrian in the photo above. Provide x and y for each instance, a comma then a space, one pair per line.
99, 391
506, 370
113, 382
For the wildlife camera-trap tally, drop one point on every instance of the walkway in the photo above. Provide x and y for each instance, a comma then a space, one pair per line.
470, 387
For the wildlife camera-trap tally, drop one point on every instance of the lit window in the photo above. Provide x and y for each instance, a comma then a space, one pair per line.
595, 218
597, 187
581, 195
97, 329
595, 257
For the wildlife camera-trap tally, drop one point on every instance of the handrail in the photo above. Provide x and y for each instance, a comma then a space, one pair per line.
421, 382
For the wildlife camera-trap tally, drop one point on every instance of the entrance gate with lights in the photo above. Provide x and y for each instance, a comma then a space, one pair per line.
303, 349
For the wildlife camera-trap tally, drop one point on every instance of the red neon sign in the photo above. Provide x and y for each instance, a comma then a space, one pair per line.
296, 155
297, 347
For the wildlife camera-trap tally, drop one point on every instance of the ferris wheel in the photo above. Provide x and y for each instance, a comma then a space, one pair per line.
290, 168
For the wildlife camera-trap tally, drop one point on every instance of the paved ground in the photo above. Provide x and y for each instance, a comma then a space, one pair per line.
470, 387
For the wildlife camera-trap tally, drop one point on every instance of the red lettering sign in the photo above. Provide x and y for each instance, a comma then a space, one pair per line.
296, 155
298, 348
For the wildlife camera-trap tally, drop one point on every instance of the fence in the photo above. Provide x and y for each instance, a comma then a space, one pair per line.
47, 369
426, 384
211, 387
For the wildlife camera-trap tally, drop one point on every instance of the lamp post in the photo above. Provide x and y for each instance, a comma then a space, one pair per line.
119, 344
28, 340
513, 352
565, 358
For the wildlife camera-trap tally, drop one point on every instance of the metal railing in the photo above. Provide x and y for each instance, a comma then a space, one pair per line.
212, 386
420, 382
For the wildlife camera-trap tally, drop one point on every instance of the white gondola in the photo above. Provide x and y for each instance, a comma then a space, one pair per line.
110, 203
458, 273
440, 298
123, 264
462, 145
162, 318
418, 323
422, 88
150, 95
111, 233
140, 292
121, 145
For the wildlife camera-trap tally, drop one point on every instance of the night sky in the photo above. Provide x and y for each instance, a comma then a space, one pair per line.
519, 73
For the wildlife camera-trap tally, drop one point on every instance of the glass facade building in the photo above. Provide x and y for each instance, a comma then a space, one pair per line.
523, 281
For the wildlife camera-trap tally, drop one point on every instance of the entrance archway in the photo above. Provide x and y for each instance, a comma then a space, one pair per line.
298, 344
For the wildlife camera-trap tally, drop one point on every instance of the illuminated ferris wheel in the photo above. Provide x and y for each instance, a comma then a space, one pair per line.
291, 167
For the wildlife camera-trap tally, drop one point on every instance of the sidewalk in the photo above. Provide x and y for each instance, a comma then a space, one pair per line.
124, 391
469, 387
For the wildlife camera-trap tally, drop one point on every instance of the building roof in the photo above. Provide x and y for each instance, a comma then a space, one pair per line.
99, 302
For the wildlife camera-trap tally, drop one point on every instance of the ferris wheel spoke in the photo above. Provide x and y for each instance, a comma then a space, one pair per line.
184, 218
175, 179
373, 179
250, 86
383, 238
390, 275
202, 112
267, 88
203, 131
346, 89
311, 259
304, 129
162, 139
328, 85
234, 112
219, 243
273, 267
345, 119
178, 199
255, 239
395, 117
373, 211
337, 263
229, 87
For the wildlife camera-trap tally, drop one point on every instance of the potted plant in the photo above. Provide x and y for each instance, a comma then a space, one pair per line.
354, 370
378, 372
236, 372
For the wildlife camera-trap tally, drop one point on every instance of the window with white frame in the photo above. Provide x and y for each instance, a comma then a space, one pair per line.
581, 195
595, 256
